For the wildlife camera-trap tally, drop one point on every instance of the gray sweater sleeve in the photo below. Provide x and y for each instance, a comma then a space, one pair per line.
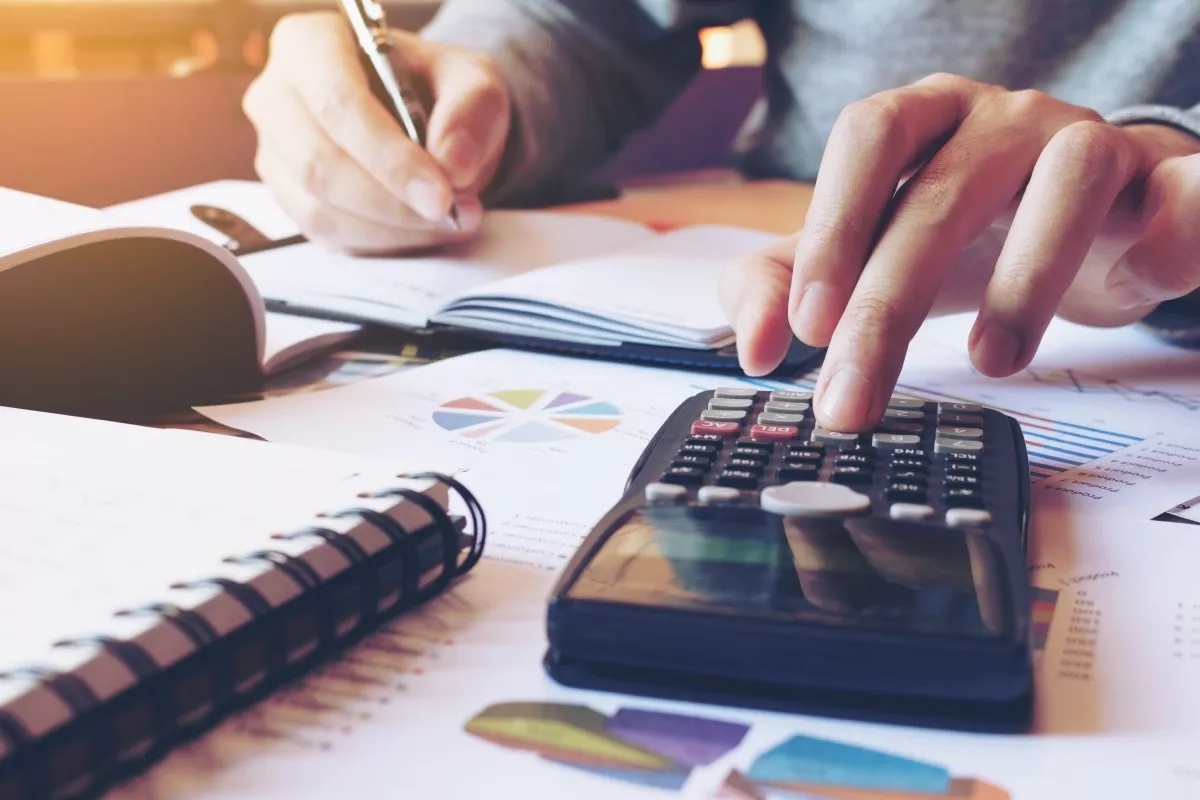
1187, 120
584, 74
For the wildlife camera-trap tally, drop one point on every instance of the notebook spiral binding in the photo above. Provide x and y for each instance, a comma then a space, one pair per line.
95, 748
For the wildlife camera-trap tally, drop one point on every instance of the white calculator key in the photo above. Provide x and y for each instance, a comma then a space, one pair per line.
947, 432
903, 413
792, 397
723, 415
957, 446
888, 441
730, 403
664, 492
967, 518
910, 511
905, 402
717, 494
833, 437
780, 419
958, 408
736, 391
781, 407
807, 499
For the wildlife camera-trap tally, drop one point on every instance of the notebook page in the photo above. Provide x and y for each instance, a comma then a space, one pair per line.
408, 290
98, 516
27, 220
666, 285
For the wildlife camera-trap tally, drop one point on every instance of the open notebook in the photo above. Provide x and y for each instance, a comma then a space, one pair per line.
153, 581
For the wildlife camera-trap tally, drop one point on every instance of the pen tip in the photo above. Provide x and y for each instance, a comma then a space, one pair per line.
452, 219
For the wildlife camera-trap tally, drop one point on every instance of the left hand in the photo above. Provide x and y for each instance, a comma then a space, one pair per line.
1102, 226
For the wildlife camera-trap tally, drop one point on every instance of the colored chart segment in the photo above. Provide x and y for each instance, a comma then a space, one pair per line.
644, 747
1044, 601
527, 416
803, 768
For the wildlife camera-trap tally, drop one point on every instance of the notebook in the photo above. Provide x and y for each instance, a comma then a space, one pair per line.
552, 280
153, 581
99, 312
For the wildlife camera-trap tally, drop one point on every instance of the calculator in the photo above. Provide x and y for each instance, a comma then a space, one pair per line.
759, 560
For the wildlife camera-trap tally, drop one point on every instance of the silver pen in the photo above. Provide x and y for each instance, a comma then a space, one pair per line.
391, 86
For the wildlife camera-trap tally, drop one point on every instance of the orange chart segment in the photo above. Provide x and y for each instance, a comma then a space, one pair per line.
592, 425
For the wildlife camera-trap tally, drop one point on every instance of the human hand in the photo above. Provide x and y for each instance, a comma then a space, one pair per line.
1095, 222
344, 169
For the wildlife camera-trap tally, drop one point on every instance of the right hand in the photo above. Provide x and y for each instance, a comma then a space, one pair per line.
344, 169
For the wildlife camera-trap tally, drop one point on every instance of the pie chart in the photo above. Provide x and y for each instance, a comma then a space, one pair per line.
528, 416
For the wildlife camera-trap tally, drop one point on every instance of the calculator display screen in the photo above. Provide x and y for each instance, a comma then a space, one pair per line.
865, 572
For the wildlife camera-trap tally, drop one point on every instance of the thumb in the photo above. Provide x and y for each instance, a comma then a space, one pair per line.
469, 123
1165, 263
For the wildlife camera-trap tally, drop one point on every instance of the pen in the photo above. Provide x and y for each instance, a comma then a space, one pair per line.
391, 86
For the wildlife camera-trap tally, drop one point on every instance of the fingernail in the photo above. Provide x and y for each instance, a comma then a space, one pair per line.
1126, 289
846, 402
997, 350
808, 320
459, 154
427, 198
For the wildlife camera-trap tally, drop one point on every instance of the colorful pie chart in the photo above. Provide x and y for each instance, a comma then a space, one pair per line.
528, 416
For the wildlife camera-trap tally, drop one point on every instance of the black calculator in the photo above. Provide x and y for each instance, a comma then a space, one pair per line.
759, 560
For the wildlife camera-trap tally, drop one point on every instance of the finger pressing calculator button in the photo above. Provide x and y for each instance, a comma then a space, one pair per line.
834, 437
963, 498
798, 499
730, 403
905, 492
791, 397
739, 392
969, 446
954, 432
799, 471
780, 419
970, 420
784, 407
718, 494
776, 433
701, 461
854, 475
910, 511
967, 518
708, 426
908, 414
754, 465
905, 402
959, 408
891, 441
739, 478
684, 476
722, 415
664, 493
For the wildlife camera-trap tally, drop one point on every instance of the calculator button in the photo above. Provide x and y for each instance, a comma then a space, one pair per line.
905, 492
742, 479
907, 476
890, 441
731, 403
834, 437
699, 449
957, 446
961, 468
855, 475
723, 415
685, 476
971, 420
718, 494
798, 471
802, 457
910, 465
958, 408
664, 493
792, 397
692, 461
780, 419
738, 392
956, 457
746, 446
967, 517
910, 511
905, 402
964, 481
777, 433
908, 452
749, 458
854, 460
944, 432
969, 498
716, 442
909, 414
754, 465
703, 426
806, 447
798, 499
782, 407
897, 426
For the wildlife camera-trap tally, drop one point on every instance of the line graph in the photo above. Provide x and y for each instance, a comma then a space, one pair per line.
1083, 383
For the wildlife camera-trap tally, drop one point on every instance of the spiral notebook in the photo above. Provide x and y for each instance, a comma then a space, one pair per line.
152, 581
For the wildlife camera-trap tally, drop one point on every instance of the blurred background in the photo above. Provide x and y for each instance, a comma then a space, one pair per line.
106, 100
